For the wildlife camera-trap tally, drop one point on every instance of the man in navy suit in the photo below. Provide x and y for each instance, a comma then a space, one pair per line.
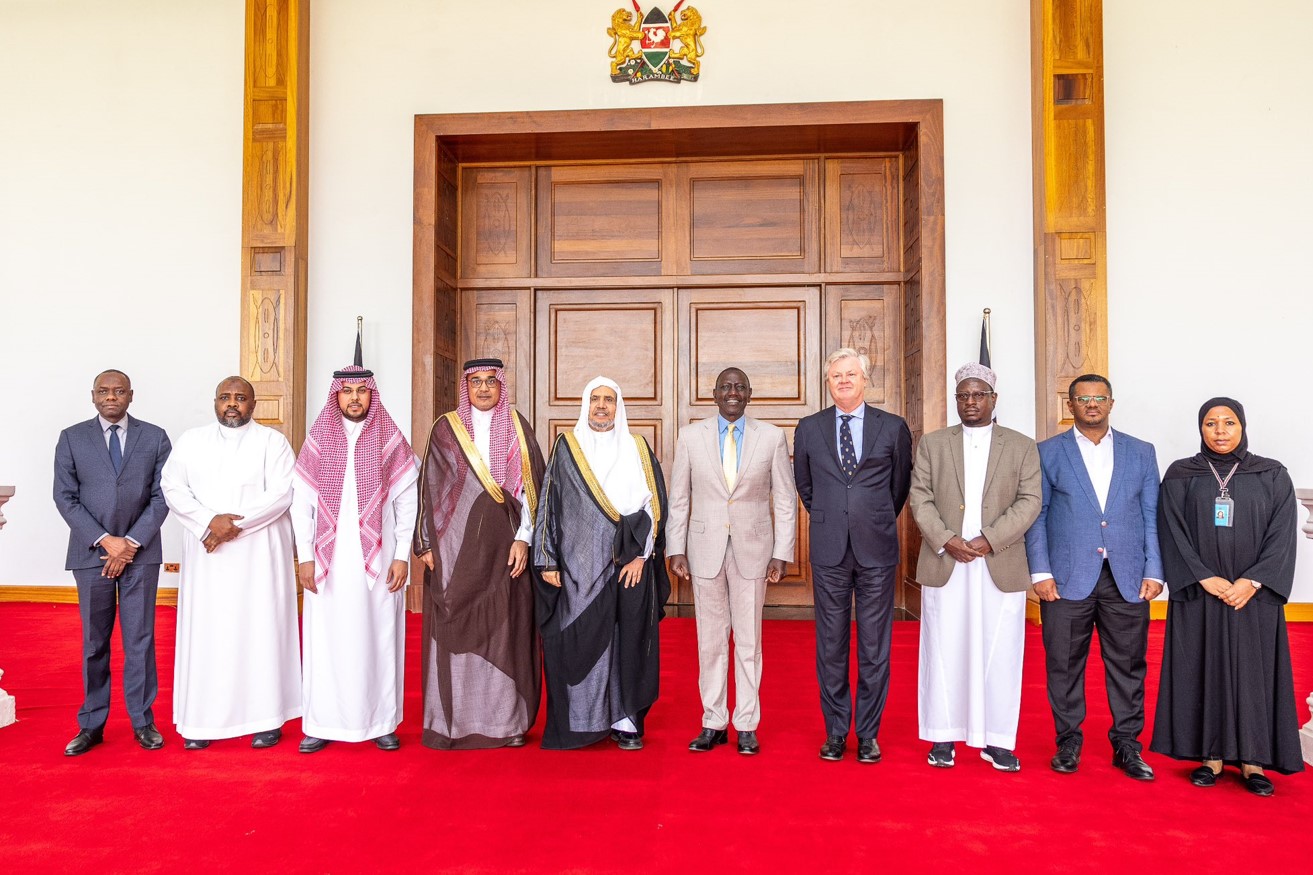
1094, 562
853, 467
107, 488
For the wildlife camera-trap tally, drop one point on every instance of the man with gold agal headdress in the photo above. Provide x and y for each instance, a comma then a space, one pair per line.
478, 491
600, 548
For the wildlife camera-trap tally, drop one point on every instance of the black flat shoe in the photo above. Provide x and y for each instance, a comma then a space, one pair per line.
1128, 759
310, 744
1259, 784
868, 751
707, 739
84, 741
388, 742
195, 743
262, 740
832, 750
748, 745
1203, 777
148, 737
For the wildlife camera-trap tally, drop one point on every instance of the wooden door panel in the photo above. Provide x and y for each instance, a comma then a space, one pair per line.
866, 318
496, 231
603, 220
750, 216
861, 215
498, 323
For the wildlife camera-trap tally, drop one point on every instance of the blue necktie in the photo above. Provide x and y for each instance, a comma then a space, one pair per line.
847, 454
116, 449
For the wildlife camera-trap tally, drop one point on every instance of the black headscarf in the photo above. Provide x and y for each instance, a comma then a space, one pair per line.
1198, 464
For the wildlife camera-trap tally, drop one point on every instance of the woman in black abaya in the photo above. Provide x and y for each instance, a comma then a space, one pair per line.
1227, 695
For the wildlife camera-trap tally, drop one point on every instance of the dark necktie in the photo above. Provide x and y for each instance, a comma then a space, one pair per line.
847, 455
116, 449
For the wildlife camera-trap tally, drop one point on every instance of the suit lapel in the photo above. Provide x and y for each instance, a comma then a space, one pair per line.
1077, 463
996, 442
747, 446
712, 442
133, 435
102, 448
1118, 470
959, 464
873, 424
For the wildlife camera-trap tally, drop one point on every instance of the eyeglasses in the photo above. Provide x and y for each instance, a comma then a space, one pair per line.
973, 396
1086, 399
477, 382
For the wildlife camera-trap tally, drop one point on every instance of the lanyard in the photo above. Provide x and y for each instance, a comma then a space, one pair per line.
1221, 484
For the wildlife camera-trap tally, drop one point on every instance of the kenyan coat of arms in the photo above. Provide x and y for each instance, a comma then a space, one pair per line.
643, 44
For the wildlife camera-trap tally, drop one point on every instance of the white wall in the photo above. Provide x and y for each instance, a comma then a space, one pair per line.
1209, 224
163, 80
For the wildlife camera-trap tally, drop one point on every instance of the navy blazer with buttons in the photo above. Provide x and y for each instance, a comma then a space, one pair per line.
862, 509
1072, 535
93, 500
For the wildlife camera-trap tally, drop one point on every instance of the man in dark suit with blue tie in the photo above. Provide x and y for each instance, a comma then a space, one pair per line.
853, 466
107, 488
1094, 562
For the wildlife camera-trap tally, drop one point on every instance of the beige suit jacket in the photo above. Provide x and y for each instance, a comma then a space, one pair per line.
705, 515
1011, 503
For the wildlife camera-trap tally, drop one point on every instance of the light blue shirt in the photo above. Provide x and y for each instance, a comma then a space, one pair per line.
854, 425
724, 426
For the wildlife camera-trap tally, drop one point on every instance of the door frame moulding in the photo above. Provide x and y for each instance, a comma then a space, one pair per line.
445, 142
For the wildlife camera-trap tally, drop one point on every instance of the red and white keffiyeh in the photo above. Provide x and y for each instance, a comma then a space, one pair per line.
383, 459
503, 440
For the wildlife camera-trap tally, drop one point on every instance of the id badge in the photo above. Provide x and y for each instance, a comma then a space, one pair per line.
1222, 508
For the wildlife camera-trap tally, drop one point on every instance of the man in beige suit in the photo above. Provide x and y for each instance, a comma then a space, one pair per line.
975, 492
730, 471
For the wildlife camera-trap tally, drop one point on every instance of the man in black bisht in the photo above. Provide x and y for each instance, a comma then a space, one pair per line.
599, 549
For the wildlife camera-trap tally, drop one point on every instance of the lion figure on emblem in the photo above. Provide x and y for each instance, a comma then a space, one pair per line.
623, 33
689, 32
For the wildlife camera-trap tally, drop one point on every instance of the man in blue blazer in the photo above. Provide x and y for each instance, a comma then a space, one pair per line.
1094, 562
853, 466
107, 488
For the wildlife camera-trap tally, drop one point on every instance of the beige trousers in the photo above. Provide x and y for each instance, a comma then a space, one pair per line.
723, 604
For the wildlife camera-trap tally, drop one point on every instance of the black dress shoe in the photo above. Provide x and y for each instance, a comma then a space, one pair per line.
833, 748
1203, 777
1067, 759
84, 741
148, 737
388, 742
266, 739
1259, 784
1128, 759
868, 751
195, 743
707, 739
627, 740
748, 743
515, 741
310, 744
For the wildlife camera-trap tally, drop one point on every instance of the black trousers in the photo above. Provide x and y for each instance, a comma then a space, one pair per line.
133, 597
1123, 639
835, 587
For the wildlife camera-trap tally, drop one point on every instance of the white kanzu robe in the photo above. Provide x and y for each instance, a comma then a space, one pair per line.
353, 629
237, 666
972, 636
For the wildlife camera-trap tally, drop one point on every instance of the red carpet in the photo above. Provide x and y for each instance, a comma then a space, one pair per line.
353, 808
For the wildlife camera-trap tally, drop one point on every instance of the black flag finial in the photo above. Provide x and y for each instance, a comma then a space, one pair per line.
360, 331
357, 370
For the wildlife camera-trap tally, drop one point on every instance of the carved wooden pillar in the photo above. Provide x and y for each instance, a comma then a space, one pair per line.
275, 181
1071, 299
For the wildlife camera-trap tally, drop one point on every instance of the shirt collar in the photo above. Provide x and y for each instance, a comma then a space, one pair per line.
859, 413
1082, 439
105, 423
724, 424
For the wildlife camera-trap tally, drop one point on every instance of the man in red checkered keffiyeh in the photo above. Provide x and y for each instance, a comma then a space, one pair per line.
353, 510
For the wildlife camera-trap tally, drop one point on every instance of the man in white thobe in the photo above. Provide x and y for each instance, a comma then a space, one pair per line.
237, 664
975, 492
353, 509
